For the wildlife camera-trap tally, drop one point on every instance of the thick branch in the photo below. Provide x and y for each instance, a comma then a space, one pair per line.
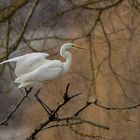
15, 45
9, 11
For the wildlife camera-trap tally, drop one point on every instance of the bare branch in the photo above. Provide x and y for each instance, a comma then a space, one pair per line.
53, 116
85, 134
5, 122
9, 11
110, 63
86, 6
116, 108
15, 45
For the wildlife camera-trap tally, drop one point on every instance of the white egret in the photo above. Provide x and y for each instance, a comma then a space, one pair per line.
33, 69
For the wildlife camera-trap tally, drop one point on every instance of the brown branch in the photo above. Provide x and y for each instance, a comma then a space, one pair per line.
5, 122
53, 115
81, 109
86, 6
68, 39
9, 11
83, 134
116, 108
110, 62
8, 36
7, 42
38, 129
60, 125
17, 42
92, 123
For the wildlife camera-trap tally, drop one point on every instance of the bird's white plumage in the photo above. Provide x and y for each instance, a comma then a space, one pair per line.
46, 72
28, 62
34, 69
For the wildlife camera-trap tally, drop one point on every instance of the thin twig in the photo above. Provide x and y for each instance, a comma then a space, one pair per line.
5, 122
83, 134
116, 108
17, 42
53, 115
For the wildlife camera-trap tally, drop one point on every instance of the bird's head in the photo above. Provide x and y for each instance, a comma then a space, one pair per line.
63, 50
71, 45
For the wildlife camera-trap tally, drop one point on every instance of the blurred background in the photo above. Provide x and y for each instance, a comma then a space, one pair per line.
108, 71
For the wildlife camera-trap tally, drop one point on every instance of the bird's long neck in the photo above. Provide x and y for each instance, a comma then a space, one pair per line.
67, 63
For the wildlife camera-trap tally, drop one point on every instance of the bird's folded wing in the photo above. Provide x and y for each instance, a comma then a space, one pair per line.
30, 62
41, 74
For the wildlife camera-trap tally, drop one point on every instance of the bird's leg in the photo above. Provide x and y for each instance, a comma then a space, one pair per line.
28, 90
45, 106
66, 96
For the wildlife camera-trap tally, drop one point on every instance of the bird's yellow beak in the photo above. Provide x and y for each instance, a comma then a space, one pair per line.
79, 47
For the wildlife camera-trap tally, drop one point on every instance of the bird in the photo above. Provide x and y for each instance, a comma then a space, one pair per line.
34, 69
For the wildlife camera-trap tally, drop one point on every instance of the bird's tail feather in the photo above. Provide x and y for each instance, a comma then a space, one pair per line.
25, 84
30, 83
20, 79
11, 60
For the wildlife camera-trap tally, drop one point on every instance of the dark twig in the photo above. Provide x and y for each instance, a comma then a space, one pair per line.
86, 6
17, 42
5, 122
63, 124
110, 62
92, 123
73, 118
116, 108
83, 134
45, 106
53, 115
67, 98
38, 129
81, 109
